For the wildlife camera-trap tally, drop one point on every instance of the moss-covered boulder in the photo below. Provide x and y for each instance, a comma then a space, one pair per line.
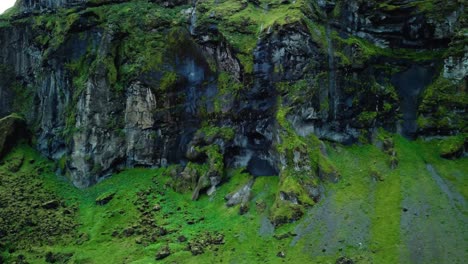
453, 147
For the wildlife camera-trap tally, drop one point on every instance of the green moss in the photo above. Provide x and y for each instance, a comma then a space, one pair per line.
228, 90
304, 163
215, 159
284, 212
367, 118
367, 50
242, 22
211, 132
293, 183
449, 147
62, 163
105, 198
356, 194
35, 214
438, 110
168, 81
54, 28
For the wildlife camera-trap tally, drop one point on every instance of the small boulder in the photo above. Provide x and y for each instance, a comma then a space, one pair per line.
453, 147
164, 252
156, 207
57, 257
344, 260
51, 205
241, 196
217, 239
128, 231
196, 249
105, 198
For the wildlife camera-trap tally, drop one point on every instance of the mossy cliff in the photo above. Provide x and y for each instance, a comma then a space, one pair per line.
220, 93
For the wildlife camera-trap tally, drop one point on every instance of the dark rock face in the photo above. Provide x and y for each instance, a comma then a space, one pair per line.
12, 129
400, 24
171, 3
30, 5
102, 104
410, 84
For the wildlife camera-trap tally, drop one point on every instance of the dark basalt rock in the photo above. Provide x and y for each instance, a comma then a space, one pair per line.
57, 257
344, 260
171, 3
53, 204
12, 130
339, 85
410, 84
164, 252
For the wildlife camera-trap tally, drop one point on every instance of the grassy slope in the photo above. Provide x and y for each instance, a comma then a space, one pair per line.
359, 217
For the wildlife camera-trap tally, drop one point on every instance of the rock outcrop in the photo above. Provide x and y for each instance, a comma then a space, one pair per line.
118, 84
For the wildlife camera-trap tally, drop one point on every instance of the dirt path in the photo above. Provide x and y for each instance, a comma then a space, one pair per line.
332, 227
433, 225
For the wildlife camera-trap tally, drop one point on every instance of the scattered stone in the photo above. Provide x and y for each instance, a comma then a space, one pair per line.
162, 231
284, 236
393, 160
163, 253
105, 198
244, 208
21, 259
281, 254
344, 260
217, 239
15, 164
388, 144
52, 204
196, 249
197, 245
377, 176
261, 206
241, 196
57, 257
128, 232
156, 207
181, 239
82, 238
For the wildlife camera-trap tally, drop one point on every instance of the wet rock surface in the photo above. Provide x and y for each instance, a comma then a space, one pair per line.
208, 86
336, 86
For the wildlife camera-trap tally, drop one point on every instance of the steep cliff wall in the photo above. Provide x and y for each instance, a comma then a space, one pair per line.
113, 84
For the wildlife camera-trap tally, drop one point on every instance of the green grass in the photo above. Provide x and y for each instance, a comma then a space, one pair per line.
97, 223
357, 198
